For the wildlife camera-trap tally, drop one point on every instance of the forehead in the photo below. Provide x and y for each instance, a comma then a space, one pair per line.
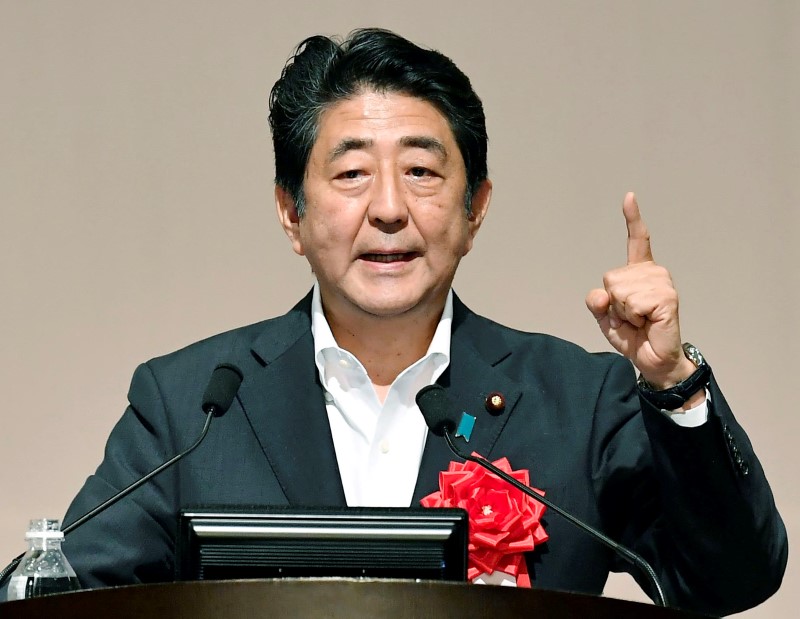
382, 117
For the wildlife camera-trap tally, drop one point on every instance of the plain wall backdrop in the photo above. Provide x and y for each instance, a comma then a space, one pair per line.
137, 209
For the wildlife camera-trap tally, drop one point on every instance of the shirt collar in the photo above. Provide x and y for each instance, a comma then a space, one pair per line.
324, 340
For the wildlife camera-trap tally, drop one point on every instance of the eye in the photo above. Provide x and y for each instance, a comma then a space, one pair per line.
419, 171
350, 174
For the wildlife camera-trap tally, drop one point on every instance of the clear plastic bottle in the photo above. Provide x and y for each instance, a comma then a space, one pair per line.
44, 569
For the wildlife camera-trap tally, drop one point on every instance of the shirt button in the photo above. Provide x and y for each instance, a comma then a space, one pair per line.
328, 397
384, 446
344, 363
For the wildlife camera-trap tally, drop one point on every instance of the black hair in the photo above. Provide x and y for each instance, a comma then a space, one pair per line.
324, 71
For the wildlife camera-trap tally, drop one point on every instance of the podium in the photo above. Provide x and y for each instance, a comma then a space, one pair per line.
329, 598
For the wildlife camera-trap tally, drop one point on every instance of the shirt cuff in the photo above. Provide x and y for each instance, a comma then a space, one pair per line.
694, 417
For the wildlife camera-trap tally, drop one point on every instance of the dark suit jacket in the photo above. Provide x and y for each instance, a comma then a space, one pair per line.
694, 502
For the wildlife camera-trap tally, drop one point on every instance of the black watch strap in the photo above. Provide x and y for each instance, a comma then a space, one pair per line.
676, 396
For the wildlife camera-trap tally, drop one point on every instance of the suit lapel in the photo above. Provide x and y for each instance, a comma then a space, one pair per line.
284, 403
470, 377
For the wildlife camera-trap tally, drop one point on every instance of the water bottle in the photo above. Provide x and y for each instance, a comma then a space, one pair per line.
44, 569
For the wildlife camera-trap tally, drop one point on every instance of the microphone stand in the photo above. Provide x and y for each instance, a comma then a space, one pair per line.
630, 556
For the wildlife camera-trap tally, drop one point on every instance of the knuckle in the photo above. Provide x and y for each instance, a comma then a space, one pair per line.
671, 296
662, 272
610, 278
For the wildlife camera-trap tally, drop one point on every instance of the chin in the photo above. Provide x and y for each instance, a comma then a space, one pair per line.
389, 306
386, 310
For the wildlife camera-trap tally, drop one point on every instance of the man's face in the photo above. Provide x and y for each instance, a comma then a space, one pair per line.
385, 225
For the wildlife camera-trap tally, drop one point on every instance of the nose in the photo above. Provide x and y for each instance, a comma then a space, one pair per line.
387, 207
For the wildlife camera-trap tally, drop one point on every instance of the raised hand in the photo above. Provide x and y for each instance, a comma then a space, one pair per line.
637, 309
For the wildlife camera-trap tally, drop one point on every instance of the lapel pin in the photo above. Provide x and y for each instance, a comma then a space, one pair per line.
495, 403
465, 426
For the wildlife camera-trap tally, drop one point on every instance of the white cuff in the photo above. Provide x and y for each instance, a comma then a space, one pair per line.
692, 418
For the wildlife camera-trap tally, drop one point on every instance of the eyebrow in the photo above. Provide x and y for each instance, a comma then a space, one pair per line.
426, 143
348, 144
412, 141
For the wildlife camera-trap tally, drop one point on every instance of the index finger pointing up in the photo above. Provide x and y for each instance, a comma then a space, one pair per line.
638, 236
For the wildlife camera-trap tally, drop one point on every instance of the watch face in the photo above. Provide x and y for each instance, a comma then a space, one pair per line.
693, 355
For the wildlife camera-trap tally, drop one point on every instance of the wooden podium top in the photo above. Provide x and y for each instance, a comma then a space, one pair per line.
329, 598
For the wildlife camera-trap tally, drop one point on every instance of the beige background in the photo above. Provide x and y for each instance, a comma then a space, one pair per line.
137, 213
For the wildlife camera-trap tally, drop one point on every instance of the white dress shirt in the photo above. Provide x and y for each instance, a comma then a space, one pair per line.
378, 446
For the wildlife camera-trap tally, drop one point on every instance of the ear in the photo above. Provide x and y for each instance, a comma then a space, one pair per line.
480, 206
287, 215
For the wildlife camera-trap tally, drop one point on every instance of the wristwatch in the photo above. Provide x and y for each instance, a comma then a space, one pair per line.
676, 396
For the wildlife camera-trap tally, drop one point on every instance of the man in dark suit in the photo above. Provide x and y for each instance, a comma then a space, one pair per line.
381, 183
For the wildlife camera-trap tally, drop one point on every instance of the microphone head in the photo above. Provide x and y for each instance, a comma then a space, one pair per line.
222, 388
437, 409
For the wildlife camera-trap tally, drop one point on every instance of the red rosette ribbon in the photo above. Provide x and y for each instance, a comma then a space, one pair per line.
504, 522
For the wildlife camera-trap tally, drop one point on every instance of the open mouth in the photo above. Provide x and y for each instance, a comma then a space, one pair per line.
388, 258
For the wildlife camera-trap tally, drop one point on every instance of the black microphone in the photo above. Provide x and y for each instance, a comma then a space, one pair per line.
222, 388
217, 399
440, 416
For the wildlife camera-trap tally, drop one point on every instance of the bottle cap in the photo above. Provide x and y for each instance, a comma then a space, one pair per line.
44, 535
44, 528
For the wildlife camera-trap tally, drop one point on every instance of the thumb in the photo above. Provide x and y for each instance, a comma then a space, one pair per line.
598, 302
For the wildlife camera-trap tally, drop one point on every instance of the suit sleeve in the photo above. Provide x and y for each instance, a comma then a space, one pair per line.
694, 502
132, 541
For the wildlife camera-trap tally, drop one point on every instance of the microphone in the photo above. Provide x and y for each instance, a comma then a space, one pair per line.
440, 416
217, 399
222, 388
